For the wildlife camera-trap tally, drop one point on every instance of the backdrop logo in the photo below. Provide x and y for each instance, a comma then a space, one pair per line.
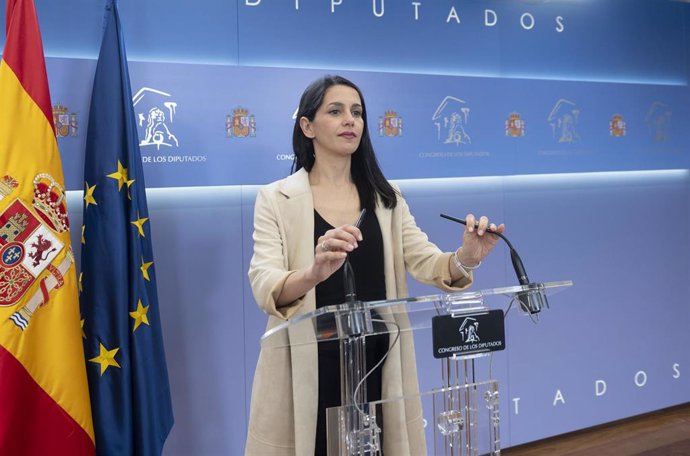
240, 124
657, 120
390, 124
617, 126
451, 118
65, 122
469, 331
563, 120
156, 113
515, 126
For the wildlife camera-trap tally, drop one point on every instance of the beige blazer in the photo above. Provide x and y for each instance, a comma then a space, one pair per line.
282, 419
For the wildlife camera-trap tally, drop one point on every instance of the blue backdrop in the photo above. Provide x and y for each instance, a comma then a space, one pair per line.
566, 120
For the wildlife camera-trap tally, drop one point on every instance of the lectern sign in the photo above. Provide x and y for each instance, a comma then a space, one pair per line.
467, 334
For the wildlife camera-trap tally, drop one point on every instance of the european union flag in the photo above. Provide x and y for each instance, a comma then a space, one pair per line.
128, 379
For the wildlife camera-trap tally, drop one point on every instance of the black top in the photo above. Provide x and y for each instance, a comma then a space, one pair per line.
367, 265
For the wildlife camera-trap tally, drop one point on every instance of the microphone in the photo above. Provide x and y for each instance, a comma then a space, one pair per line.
348, 273
531, 301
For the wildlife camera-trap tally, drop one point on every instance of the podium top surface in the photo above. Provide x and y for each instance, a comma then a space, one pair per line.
407, 314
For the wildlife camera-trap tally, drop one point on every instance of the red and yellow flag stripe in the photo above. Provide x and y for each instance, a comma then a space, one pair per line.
44, 399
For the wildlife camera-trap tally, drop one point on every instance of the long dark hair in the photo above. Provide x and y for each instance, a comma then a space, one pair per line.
365, 170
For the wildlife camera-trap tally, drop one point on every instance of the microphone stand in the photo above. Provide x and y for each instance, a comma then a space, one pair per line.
348, 273
359, 422
532, 300
349, 282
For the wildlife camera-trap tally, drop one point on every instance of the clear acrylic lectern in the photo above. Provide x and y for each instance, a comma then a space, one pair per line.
463, 410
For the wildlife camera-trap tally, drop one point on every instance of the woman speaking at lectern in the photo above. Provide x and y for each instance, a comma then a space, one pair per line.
304, 228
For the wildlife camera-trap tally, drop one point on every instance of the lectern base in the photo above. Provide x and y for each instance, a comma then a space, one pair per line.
461, 420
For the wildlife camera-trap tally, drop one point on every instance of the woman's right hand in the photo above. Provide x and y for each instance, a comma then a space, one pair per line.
331, 250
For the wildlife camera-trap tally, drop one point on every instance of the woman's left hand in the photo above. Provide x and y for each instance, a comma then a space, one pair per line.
477, 240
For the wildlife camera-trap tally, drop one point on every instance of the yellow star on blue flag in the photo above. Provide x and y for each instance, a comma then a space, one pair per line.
139, 315
139, 223
88, 195
105, 358
121, 176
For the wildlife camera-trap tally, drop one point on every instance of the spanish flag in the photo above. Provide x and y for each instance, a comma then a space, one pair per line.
44, 399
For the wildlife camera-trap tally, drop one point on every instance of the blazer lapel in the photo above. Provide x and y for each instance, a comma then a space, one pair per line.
385, 218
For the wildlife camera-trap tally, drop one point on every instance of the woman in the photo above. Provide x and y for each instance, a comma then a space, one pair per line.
303, 232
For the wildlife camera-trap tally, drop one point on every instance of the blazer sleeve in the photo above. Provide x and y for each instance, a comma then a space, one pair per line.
268, 268
423, 259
